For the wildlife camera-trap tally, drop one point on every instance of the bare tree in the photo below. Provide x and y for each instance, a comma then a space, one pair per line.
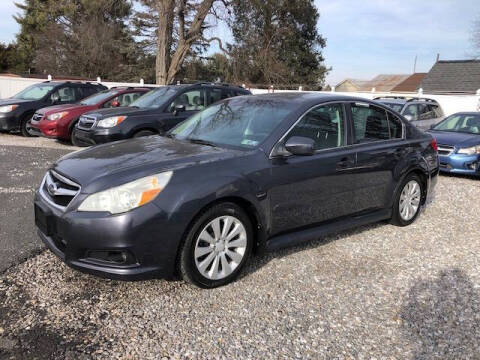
180, 26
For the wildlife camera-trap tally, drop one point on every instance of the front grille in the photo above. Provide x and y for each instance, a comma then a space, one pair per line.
58, 190
86, 122
37, 117
445, 150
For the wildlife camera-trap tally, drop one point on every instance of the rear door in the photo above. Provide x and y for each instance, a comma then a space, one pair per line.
378, 139
309, 190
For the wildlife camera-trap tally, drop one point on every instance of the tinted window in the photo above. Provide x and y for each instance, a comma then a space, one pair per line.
214, 95
425, 112
395, 125
240, 122
324, 124
192, 100
370, 123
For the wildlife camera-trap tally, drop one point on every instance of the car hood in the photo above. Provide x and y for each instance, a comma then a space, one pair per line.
66, 107
119, 162
456, 139
12, 101
128, 110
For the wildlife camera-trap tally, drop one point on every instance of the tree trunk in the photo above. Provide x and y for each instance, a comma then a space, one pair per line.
165, 10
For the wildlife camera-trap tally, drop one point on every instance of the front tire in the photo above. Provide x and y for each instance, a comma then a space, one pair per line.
216, 247
74, 139
24, 125
408, 201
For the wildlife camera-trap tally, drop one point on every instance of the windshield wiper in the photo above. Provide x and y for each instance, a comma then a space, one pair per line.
201, 142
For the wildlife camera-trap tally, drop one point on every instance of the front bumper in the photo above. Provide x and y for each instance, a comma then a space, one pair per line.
9, 121
460, 164
99, 136
137, 245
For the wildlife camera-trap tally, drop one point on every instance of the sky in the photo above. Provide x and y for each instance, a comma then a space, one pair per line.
369, 37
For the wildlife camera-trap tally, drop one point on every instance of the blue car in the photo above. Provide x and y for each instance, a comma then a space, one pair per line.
458, 140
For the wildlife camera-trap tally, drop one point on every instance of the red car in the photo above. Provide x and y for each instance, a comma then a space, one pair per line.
57, 122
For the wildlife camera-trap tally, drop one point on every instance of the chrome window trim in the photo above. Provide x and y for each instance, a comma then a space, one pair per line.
343, 103
62, 178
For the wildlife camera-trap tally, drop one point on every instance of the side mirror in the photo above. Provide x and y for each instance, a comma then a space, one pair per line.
432, 126
115, 103
409, 117
55, 98
299, 145
179, 109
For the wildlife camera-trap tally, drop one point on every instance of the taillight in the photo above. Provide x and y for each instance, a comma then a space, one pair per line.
434, 144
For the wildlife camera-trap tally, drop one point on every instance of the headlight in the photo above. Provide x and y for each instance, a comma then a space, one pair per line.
111, 121
128, 196
7, 108
57, 116
469, 151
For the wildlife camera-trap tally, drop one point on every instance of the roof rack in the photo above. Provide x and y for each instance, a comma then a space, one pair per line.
390, 97
216, 83
422, 99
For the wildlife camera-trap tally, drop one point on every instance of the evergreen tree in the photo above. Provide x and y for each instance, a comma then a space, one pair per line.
277, 42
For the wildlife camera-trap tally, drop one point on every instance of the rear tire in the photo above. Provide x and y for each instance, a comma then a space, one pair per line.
142, 133
217, 246
408, 201
24, 124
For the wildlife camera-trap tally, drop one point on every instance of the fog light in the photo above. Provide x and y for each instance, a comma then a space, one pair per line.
115, 257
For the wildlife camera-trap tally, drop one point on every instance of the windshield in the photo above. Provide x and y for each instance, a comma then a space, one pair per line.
98, 97
243, 122
464, 123
34, 92
396, 107
155, 98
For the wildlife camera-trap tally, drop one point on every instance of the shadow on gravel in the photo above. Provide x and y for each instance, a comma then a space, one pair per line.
442, 317
263, 257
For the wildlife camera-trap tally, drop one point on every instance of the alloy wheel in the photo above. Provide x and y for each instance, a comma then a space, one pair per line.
220, 247
410, 200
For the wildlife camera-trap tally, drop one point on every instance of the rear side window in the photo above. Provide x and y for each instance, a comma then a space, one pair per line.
411, 110
437, 110
370, 123
213, 96
324, 125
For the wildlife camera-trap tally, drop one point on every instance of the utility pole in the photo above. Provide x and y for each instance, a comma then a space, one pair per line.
415, 64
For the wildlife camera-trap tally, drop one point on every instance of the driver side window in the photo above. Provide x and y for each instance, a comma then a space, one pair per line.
192, 100
323, 124
63, 95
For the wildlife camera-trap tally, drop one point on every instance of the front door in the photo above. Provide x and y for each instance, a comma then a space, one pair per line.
308, 190
193, 101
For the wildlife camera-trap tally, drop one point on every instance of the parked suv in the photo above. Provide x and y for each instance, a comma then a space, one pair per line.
421, 112
58, 121
16, 112
154, 113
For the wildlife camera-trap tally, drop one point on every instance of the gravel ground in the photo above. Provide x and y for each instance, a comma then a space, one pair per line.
23, 162
376, 292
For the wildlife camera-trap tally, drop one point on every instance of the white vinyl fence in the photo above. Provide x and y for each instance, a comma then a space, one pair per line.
9, 86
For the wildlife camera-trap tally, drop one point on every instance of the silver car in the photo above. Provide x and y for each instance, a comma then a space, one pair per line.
421, 112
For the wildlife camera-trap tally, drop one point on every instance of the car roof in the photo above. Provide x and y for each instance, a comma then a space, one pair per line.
305, 98
59, 83
477, 113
